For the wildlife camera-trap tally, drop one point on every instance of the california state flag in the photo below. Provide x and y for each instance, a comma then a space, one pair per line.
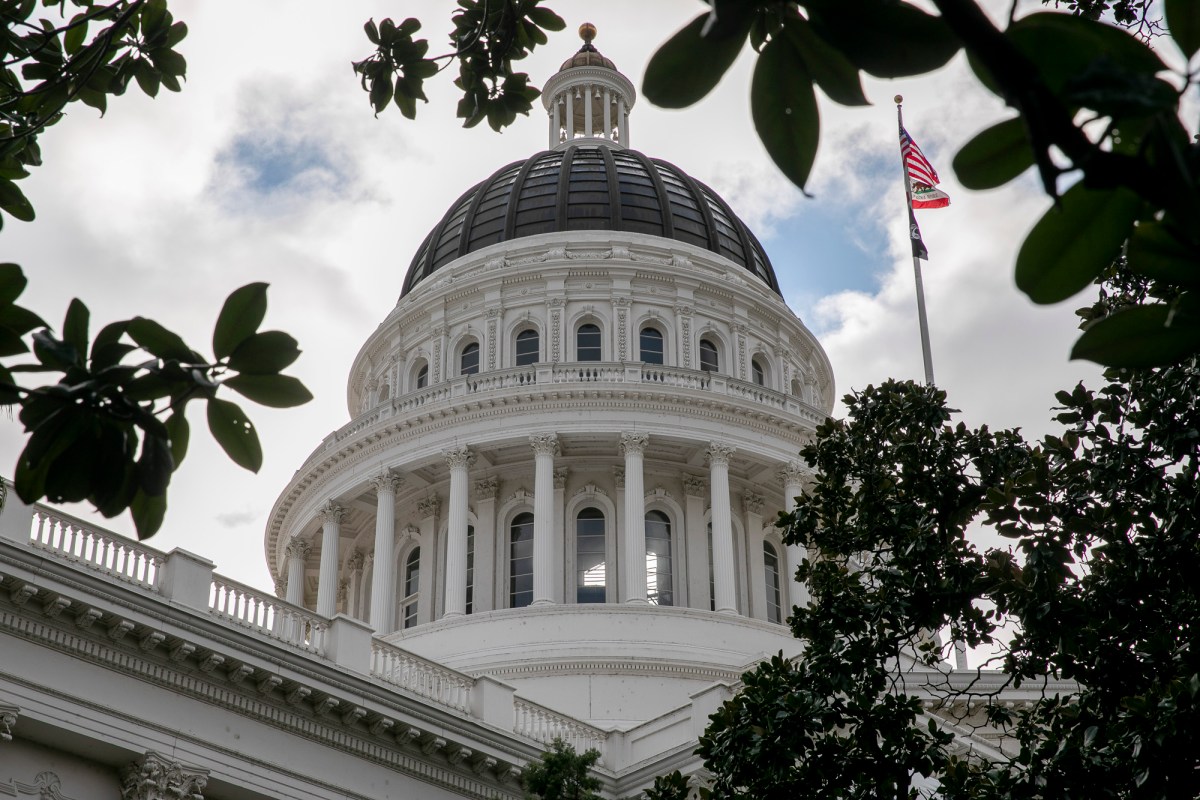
926, 196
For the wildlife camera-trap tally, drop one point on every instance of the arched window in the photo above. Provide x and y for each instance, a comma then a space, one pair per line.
797, 389
650, 345
709, 361
590, 544
587, 343
423, 376
760, 374
528, 348
468, 359
470, 567
412, 582
658, 559
520, 560
771, 575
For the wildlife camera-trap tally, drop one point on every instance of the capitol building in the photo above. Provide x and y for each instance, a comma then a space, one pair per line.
550, 515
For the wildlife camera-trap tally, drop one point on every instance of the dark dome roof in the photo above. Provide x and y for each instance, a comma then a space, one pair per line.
583, 189
588, 56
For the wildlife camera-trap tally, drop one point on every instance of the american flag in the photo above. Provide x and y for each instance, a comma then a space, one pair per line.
921, 175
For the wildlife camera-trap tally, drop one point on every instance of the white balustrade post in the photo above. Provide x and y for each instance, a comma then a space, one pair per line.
793, 474
544, 445
459, 460
722, 528
383, 578
327, 580
633, 446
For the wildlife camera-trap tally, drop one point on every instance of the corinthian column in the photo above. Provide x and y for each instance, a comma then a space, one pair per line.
793, 474
633, 446
383, 576
722, 528
297, 552
155, 776
331, 517
459, 460
544, 445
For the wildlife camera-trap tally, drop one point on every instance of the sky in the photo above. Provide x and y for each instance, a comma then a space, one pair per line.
270, 166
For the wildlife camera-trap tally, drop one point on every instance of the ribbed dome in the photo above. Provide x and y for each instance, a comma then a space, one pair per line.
583, 189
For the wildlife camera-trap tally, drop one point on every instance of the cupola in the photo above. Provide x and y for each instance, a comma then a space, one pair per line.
588, 100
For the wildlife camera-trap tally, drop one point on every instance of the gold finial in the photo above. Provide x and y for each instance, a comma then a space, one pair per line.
899, 99
587, 32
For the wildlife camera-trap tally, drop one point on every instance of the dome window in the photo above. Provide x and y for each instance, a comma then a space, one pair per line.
468, 359
587, 343
590, 544
658, 559
520, 561
412, 581
470, 568
760, 374
529, 348
771, 575
650, 344
709, 360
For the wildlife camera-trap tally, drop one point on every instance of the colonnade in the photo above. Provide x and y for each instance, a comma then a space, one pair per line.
563, 114
545, 447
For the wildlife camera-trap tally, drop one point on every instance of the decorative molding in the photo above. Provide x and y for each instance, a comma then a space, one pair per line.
8, 719
354, 562
560, 477
752, 503
46, 786
634, 443
619, 477
793, 472
157, 777
591, 489
718, 453
520, 494
695, 486
428, 507
459, 457
386, 482
332, 512
544, 444
298, 548
486, 488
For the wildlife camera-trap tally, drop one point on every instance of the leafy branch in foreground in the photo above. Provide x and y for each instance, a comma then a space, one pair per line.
113, 428
562, 774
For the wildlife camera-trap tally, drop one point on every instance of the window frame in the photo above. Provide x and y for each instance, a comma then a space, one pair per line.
716, 354
537, 352
662, 342
598, 347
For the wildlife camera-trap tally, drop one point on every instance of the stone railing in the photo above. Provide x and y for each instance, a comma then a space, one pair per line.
74, 540
422, 677
269, 616
541, 724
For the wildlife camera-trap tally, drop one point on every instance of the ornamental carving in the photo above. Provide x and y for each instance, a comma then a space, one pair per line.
298, 548
386, 482
793, 473
8, 720
486, 488
544, 444
634, 443
718, 453
491, 337
428, 507
619, 477
560, 477
355, 562
331, 512
156, 777
556, 334
281, 587
752, 503
622, 333
458, 457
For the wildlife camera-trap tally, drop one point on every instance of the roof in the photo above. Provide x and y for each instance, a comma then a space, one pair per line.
585, 188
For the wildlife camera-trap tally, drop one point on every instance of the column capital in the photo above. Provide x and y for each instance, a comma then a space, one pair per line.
487, 488
280, 587
355, 561
8, 719
544, 444
458, 457
560, 477
386, 482
332, 512
298, 548
718, 453
429, 507
793, 472
619, 477
634, 442
156, 776
342, 590
695, 486
752, 502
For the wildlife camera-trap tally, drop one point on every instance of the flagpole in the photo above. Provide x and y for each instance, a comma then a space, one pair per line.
926, 353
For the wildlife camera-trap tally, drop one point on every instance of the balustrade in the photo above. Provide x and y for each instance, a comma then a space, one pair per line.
267, 615
424, 678
74, 540
536, 722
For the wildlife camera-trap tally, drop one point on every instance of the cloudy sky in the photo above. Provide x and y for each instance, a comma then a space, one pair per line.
270, 166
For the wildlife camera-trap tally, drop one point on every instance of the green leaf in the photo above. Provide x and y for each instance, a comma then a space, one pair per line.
160, 342
784, 108
240, 317
1183, 21
155, 465
545, 18
1074, 242
832, 71
148, 512
76, 32
1138, 336
75, 325
235, 433
687, 66
1160, 253
169, 62
180, 433
276, 391
994, 156
885, 38
107, 348
264, 353
147, 77
12, 282
13, 200
54, 352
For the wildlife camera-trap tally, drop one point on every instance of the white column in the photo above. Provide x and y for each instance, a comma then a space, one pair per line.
695, 556
633, 446
354, 563
544, 445
722, 528
331, 518
297, 551
459, 460
588, 128
485, 544
752, 506
608, 114
555, 123
623, 122
793, 474
570, 114
383, 577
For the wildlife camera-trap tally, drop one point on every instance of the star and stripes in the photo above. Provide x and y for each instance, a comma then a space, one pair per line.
922, 177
